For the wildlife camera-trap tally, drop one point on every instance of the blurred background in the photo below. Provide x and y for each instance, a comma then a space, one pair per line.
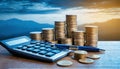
19, 17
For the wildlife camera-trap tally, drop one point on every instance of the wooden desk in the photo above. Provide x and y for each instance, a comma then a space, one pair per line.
109, 60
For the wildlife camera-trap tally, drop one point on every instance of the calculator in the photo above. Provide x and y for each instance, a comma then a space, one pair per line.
24, 46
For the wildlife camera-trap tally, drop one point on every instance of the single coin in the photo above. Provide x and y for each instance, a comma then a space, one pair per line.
86, 61
94, 56
64, 63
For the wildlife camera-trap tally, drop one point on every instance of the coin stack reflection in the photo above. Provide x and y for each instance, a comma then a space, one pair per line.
91, 35
36, 35
71, 24
78, 38
59, 30
48, 34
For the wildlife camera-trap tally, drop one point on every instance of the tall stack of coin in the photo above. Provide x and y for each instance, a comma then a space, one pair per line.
66, 41
36, 35
71, 22
78, 38
48, 34
91, 35
59, 30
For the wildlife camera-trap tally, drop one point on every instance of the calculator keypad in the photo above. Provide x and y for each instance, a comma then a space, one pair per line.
40, 48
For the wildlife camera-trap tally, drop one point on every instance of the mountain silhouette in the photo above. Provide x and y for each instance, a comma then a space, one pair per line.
109, 30
16, 27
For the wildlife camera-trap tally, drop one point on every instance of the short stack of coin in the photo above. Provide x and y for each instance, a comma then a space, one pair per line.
78, 38
59, 30
80, 54
71, 24
91, 35
36, 35
48, 34
66, 41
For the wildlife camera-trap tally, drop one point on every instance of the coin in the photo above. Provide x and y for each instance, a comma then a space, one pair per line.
91, 29
36, 35
59, 30
91, 35
86, 61
48, 34
78, 38
71, 24
66, 41
80, 54
64, 63
94, 56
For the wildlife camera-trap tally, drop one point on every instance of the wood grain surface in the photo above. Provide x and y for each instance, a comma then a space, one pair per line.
109, 60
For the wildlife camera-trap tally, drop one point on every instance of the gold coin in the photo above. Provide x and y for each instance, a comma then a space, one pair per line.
86, 61
80, 54
94, 56
36, 35
66, 41
64, 63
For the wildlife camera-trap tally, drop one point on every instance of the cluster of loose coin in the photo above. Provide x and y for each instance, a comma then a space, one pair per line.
83, 57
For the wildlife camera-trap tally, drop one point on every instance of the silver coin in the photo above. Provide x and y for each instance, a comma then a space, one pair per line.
86, 61
64, 63
94, 56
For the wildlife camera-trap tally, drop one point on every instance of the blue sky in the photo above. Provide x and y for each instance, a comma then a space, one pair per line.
48, 11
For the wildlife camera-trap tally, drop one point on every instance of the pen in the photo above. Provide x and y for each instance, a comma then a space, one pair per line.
72, 47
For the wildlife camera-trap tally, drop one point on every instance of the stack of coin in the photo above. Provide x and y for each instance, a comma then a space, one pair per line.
48, 34
91, 35
59, 30
80, 54
36, 35
78, 38
71, 24
66, 41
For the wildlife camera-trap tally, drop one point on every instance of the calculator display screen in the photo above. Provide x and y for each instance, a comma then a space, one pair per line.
18, 41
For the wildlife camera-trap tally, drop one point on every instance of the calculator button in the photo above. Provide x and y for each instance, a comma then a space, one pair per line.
42, 48
47, 43
30, 46
47, 46
19, 47
42, 44
30, 49
42, 52
36, 46
56, 51
48, 49
36, 50
24, 48
49, 54
54, 48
